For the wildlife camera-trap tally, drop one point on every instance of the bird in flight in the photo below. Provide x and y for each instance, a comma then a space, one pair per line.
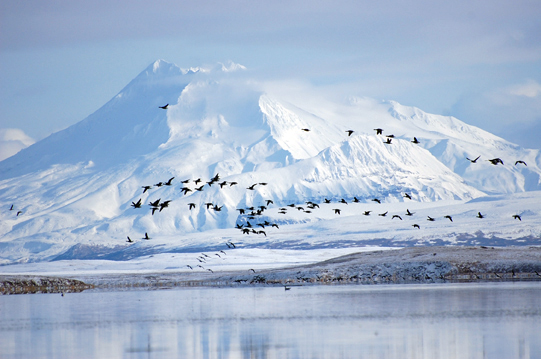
336, 210
415, 140
350, 132
164, 204
524, 163
306, 129
448, 217
495, 161
388, 141
479, 215
164, 107
136, 205
146, 236
383, 214
168, 183
408, 213
473, 161
191, 205
396, 216
416, 226
379, 131
129, 240
430, 219
406, 195
146, 188
376, 200
516, 216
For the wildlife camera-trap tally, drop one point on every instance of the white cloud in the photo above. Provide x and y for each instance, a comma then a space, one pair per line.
12, 140
529, 89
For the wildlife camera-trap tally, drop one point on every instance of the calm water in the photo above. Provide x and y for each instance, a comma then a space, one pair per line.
391, 321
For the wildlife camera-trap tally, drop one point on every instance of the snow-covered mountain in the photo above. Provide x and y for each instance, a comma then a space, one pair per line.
78, 185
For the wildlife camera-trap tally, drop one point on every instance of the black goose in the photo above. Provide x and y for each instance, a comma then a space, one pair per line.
473, 161
168, 183
495, 161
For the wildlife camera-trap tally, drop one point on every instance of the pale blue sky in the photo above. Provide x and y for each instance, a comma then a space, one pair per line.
479, 61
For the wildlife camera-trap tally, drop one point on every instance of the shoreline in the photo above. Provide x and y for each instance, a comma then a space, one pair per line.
410, 265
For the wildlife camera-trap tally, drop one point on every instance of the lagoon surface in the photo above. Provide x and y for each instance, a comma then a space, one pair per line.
487, 320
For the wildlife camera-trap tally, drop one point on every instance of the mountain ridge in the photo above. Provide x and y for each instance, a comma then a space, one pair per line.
79, 185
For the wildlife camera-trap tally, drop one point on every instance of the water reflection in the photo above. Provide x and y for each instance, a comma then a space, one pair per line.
394, 321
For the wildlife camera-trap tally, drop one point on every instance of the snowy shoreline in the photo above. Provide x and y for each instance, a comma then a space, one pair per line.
406, 265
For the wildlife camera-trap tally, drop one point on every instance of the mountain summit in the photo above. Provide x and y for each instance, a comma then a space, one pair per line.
236, 145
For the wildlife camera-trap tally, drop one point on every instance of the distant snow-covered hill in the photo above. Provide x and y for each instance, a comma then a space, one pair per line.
78, 185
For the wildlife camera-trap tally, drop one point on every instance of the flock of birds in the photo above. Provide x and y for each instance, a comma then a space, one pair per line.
252, 219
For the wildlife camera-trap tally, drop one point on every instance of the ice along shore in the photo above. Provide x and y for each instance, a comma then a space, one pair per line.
406, 265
